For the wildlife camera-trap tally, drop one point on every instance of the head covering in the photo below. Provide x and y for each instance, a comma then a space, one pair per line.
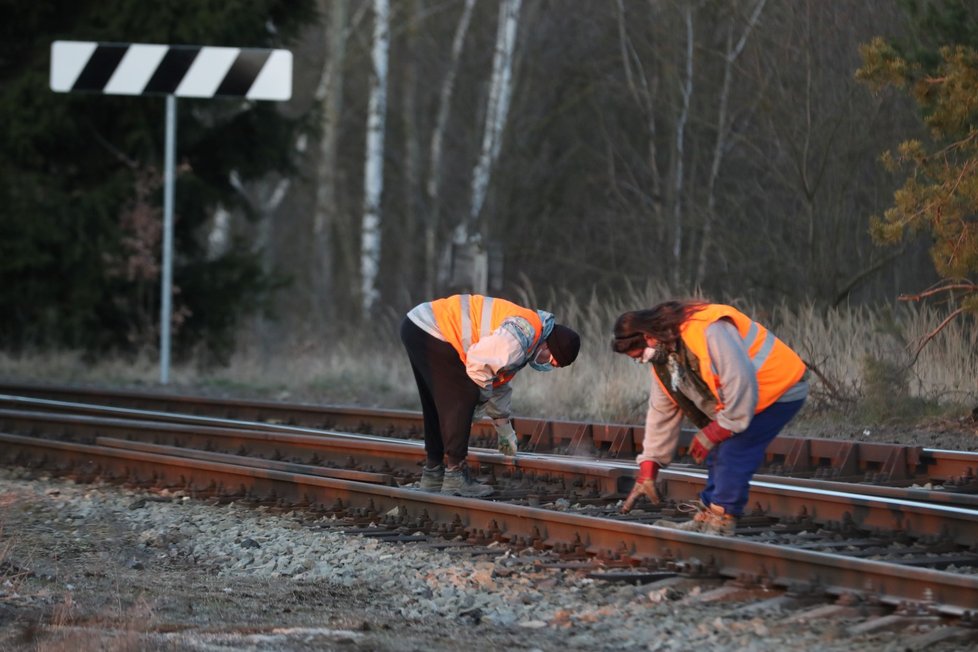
564, 344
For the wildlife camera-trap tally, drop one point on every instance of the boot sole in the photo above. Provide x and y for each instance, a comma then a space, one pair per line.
452, 492
671, 525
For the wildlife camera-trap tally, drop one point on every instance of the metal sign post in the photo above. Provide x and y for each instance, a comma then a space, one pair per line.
166, 292
170, 70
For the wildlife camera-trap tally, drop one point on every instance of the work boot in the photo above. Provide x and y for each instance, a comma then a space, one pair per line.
459, 482
712, 519
431, 478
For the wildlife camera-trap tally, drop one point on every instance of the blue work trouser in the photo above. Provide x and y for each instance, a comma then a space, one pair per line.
732, 463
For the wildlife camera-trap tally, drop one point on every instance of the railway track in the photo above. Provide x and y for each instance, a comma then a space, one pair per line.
909, 549
879, 464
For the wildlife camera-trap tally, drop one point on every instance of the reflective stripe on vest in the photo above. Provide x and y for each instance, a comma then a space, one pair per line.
777, 366
760, 356
464, 319
485, 319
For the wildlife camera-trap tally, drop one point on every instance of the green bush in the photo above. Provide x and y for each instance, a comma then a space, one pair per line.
886, 393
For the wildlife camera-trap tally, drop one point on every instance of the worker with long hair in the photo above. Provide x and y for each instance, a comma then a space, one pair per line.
732, 378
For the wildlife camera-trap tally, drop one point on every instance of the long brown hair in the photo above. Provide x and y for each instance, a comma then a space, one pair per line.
661, 322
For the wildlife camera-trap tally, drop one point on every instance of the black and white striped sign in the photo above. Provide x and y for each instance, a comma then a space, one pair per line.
179, 70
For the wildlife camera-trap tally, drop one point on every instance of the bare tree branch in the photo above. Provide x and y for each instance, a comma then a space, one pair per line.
968, 286
859, 276
931, 335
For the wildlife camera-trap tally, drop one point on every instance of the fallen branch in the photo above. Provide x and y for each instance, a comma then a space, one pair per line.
829, 385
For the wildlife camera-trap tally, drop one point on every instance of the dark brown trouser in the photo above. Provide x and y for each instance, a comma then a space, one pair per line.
448, 395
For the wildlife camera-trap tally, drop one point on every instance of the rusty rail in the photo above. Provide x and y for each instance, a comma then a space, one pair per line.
627, 542
827, 459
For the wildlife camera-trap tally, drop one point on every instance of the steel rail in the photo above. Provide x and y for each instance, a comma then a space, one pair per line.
949, 594
824, 505
961, 459
788, 455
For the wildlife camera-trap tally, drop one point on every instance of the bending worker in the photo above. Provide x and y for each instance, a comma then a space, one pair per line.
464, 351
732, 378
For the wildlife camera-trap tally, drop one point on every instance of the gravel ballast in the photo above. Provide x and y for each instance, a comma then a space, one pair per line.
103, 567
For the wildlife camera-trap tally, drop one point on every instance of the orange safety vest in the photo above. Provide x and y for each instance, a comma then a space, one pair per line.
778, 367
463, 319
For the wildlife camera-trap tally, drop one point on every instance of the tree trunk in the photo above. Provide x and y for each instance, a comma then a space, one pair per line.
407, 257
373, 172
723, 133
644, 94
687, 92
497, 110
433, 186
330, 94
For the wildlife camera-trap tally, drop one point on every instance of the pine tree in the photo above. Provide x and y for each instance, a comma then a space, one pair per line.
939, 197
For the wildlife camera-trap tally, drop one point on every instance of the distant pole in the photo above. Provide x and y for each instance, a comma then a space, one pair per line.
167, 272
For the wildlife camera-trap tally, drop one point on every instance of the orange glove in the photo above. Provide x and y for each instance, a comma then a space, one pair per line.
706, 439
644, 486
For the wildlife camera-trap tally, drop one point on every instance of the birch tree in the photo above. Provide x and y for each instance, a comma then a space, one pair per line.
373, 173
497, 110
436, 150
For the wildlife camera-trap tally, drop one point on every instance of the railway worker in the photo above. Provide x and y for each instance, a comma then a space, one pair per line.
464, 351
732, 378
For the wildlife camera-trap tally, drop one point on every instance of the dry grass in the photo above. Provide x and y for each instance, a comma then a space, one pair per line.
864, 352
10, 575
14, 570
846, 345
44, 580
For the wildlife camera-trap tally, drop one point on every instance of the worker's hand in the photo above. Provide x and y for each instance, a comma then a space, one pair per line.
706, 439
506, 436
644, 486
